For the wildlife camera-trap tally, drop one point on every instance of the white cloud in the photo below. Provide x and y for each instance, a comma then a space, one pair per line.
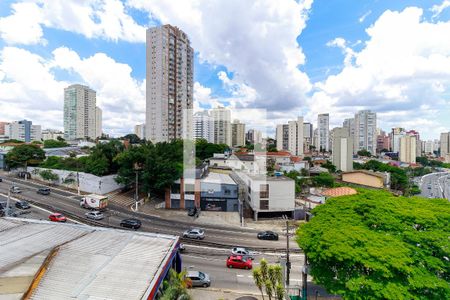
28, 88
240, 36
364, 16
106, 19
405, 64
437, 9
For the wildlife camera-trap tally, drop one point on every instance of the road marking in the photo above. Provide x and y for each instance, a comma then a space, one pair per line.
239, 275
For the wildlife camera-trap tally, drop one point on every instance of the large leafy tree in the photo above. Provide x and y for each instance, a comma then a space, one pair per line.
323, 179
374, 245
25, 155
204, 150
55, 144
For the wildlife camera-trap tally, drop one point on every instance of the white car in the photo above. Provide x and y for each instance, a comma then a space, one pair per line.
194, 233
94, 215
15, 190
242, 252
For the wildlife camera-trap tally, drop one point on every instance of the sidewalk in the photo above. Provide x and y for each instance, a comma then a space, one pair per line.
217, 294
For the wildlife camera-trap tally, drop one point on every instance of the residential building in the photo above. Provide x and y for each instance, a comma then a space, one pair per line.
342, 152
418, 141
203, 126
23, 131
323, 130
237, 134
51, 134
365, 131
222, 125
81, 114
428, 147
295, 144
254, 136
139, 130
445, 146
2, 127
307, 136
407, 151
169, 84
396, 134
98, 122
282, 137
383, 141
316, 138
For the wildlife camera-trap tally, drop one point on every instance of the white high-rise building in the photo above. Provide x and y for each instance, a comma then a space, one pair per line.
222, 125
254, 136
323, 138
98, 122
23, 131
307, 136
296, 136
396, 134
203, 126
342, 152
237, 133
80, 113
365, 131
407, 151
282, 137
445, 146
139, 130
169, 84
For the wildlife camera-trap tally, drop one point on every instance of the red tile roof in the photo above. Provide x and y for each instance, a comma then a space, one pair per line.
339, 191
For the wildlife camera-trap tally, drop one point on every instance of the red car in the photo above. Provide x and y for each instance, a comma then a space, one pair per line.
239, 262
57, 217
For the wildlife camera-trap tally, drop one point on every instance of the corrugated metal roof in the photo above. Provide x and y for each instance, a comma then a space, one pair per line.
91, 263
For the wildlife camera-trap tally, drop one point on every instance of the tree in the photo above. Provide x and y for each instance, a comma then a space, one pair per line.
48, 175
269, 278
133, 138
25, 155
204, 150
323, 179
381, 246
13, 141
364, 152
329, 166
55, 144
175, 288
61, 139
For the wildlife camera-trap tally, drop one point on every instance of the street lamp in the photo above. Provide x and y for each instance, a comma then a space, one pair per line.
137, 168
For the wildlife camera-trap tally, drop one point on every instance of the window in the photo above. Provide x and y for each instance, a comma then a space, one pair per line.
227, 192
263, 191
175, 188
263, 204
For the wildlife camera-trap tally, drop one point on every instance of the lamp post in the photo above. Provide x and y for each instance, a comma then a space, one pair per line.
137, 168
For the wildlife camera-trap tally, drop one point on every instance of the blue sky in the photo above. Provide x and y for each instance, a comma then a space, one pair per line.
291, 58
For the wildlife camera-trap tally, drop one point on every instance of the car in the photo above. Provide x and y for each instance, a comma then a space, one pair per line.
23, 205
182, 247
243, 252
57, 217
268, 235
239, 262
192, 211
194, 233
94, 215
198, 278
131, 223
43, 191
3, 205
1, 179
15, 189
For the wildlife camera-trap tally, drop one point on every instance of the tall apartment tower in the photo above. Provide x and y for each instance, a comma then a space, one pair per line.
342, 149
81, 116
407, 151
396, 134
237, 133
323, 138
307, 136
23, 131
365, 131
203, 126
296, 136
139, 130
282, 137
222, 125
445, 146
254, 136
169, 84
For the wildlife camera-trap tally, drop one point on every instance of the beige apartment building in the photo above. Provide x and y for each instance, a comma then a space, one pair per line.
342, 155
407, 151
445, 146
237, 133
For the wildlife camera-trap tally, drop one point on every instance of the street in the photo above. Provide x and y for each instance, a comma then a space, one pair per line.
435, 185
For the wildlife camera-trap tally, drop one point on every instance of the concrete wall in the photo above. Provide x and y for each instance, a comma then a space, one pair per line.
363, 179
88, 183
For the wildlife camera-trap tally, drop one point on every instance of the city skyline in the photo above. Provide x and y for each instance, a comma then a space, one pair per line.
40, 56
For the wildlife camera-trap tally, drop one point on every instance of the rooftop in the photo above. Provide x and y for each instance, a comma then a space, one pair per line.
339, 191
218, 178
78, 261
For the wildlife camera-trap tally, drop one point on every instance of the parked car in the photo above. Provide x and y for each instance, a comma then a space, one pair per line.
192, 211
239, 262
94, 215
1, 179
3, 205
194, 233
57, 217
243, 252
268, 235
131, 223
15, 189
198, 278
182, 248
23, 205
43, 191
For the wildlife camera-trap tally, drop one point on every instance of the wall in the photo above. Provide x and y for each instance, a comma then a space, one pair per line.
88, 183
363, 179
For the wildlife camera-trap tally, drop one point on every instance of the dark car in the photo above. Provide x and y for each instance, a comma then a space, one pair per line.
192, 211
1, 179
131, 223
43, 191
3, 205
268, 235
23, 205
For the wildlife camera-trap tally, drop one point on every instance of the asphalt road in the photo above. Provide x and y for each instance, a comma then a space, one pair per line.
435, 185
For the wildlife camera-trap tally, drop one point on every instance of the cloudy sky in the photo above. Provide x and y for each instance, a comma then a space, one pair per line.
291, 58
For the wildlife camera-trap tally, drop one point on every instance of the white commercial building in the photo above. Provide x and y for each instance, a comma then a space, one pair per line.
323, 127
81, 116
139, 130
342, 155
222, 125
407, 151
169, 84
365, 131
23, 131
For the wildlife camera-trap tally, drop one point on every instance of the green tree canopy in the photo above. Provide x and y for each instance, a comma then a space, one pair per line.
364, 152
26, 154
133, 138
204, 150
374, 245
323, 179
329, 166
55, 144
48, 175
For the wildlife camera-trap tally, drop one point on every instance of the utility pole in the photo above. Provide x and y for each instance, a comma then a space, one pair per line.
305, 279
288, 262
136, 196
8, 201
